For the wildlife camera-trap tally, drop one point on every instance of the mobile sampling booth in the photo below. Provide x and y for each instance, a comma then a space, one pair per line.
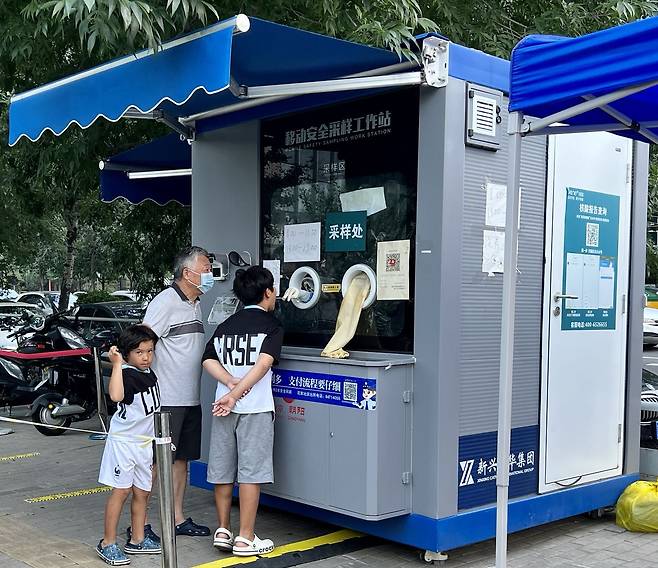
351, 175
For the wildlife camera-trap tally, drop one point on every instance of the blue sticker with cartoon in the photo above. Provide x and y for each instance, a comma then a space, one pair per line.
339, 390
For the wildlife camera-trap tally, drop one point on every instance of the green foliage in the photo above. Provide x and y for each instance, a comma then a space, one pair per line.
94, 296
110, 26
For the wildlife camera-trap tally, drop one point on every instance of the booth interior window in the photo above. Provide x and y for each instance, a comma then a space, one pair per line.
312, 165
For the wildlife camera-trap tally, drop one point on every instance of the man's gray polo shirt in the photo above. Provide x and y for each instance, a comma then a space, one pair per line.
178, 322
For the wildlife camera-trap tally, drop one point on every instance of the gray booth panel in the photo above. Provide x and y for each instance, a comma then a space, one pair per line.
346, 459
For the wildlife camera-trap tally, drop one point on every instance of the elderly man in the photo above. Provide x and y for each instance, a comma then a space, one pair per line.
175, 316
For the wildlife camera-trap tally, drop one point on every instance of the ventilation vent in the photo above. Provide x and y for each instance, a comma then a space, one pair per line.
483, 121
484, 116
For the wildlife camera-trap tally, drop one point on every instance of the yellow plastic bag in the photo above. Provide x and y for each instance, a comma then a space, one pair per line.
637, 508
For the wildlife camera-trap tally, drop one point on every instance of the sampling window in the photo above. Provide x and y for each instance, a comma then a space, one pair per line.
358, 155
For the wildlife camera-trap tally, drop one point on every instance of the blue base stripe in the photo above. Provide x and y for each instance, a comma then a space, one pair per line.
464, 528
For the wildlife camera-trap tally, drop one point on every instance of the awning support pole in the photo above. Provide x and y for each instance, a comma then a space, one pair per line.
537, 125
621, 117
186, 132
507, 336
581, 128
332, 86
405, 65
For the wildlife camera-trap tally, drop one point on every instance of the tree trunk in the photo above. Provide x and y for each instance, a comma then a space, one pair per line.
67, 274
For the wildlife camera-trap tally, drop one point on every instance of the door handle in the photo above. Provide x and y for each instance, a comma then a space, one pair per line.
558, 297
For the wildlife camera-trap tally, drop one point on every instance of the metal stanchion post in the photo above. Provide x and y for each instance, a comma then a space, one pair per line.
164, 460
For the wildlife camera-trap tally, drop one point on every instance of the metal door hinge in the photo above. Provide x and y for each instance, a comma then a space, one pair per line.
619, 433
406, 396
623, 304
406, 478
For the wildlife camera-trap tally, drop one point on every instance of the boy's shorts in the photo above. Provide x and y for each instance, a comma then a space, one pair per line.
241, 447
125, 464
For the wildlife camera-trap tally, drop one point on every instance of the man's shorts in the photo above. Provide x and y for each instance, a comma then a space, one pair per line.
185, 426
241, 447
125, 464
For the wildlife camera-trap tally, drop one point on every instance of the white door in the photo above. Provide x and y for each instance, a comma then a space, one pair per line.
585, 291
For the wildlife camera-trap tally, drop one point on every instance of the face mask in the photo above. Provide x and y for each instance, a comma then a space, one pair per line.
206, 281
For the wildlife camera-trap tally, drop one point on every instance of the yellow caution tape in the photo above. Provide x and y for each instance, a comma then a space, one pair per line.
18, 457
78, 493
300, 546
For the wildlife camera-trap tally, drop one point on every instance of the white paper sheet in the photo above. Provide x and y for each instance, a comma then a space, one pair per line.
274, 266
393, 270
370, 199
493, 251
301, 242
496, 205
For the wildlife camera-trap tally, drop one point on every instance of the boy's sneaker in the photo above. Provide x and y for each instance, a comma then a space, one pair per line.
112, 554
148, 532
147, 546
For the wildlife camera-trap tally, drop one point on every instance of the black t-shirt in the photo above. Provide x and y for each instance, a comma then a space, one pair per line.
237, 344
141, 398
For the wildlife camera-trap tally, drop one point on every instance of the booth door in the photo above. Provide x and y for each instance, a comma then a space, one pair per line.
585, 294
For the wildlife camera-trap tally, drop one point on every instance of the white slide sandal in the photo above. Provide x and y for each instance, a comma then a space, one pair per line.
253, 547
223, 539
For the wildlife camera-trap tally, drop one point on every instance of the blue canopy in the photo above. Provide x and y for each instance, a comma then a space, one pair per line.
189, 75
167, 153
550, 74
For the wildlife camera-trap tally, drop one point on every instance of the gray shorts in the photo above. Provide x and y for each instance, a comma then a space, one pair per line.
241, 447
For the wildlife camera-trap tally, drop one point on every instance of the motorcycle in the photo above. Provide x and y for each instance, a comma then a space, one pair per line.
54, 374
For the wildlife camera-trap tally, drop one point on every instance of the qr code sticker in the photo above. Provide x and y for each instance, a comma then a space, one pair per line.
350, 391
393, 262
592, 235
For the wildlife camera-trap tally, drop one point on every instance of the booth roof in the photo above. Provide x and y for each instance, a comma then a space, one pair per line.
550, 74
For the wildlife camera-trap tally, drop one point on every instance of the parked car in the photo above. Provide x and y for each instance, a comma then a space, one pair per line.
125, 295
12, 316
92, 319
649, 410
112, 316
54, 296
650, 334
40, 299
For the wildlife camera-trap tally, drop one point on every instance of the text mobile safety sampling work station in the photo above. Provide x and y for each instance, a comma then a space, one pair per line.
352, 175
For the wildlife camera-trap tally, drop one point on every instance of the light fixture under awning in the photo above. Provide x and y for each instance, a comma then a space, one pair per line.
158, 171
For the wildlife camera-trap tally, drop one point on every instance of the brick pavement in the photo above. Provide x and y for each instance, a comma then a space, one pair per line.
62, 533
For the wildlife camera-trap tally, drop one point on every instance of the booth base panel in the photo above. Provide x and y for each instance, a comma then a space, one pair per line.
464, 528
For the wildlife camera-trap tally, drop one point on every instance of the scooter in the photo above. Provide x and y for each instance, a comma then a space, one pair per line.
54, 374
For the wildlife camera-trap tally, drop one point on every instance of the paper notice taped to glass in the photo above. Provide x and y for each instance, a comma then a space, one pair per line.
301, 242
493, 252
370, 199
274, 266
393, 270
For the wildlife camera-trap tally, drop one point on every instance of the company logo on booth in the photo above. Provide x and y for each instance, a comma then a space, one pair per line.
478, 466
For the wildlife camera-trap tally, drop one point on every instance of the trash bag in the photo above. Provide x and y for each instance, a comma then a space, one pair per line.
637, 507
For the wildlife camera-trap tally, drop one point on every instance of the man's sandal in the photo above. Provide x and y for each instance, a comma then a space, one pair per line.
189, 528
253, 547
223, 539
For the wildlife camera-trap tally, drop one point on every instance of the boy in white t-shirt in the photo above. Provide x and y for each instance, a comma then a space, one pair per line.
240, 356
127, 464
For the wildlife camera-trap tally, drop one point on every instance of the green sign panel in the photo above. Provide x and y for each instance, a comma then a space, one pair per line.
345, 231
591, 235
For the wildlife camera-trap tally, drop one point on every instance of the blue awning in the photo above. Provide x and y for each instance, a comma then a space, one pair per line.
550, 74
190, 75
167, 153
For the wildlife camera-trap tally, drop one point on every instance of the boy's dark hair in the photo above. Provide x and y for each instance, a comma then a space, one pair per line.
132, 336
249, 285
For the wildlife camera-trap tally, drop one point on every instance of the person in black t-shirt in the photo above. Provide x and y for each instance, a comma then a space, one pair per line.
240, 356
127, 462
